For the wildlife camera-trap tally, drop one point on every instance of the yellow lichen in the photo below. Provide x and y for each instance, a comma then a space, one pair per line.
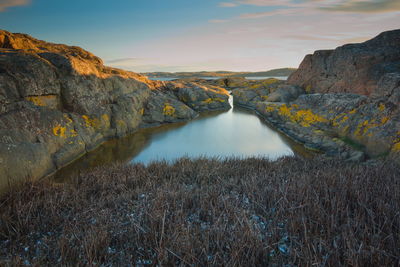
90, 122
58, 130
381, 107
121, 123
42, 101
284, 110
305, 118
396, 147
211, 100
384, 120
308, 89
261, 84
269, 109
69, 121
168, 110
73, 133
105, 117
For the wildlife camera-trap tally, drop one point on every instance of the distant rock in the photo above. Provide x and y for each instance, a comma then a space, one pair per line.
283, 72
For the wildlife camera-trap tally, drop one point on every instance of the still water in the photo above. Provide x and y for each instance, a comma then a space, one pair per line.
236, 132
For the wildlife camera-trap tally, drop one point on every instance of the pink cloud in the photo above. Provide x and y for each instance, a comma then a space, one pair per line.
275, 39
218, 20
228, 4
268, 13
354, 6
5, 4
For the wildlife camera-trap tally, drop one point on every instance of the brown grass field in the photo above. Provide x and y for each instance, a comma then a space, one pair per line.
209, 212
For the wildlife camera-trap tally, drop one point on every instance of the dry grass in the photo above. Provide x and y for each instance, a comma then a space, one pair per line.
209, 212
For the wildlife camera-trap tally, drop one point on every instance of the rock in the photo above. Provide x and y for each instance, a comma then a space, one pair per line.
389, 87
258, 91
162, 108
285, 93
352, 68
200, 97
350, 104
57, 102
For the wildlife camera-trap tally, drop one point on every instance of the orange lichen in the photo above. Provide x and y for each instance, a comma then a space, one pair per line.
58, 130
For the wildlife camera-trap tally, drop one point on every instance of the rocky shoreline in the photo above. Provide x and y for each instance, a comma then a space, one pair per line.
343, 102
58, 102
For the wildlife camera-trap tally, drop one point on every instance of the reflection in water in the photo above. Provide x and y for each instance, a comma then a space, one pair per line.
236, 132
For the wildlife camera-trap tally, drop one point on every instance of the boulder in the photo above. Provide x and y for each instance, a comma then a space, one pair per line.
352, 68
285, 93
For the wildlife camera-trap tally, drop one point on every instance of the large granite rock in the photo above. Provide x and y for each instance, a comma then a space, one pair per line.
57, 102
340, 101
352, 68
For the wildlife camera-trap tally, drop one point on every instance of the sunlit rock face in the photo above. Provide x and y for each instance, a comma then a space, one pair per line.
348, 100
57, 102
352, 68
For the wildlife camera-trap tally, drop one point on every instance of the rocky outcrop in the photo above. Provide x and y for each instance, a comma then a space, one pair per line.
232, 83
352, 68
270, 90
57, 102
347, 104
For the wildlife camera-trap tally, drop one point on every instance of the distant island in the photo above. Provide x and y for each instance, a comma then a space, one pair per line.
274, 72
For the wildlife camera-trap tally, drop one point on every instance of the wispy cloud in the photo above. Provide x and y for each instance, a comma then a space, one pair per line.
5, 4
268, 13
228, 4
124, 61
354, 6
218, 20
371, 6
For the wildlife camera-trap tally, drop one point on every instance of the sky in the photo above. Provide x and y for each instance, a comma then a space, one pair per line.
196, 35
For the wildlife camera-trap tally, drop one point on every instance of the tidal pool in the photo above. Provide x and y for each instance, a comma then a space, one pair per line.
234, 133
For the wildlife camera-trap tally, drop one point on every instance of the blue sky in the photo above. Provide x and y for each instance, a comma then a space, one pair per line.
179, 35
